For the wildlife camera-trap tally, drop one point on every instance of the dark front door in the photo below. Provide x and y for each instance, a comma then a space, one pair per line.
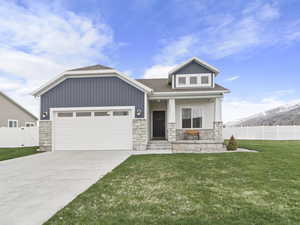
159, 121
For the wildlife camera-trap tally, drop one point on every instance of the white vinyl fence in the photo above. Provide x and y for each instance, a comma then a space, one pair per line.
263, 132
19, 137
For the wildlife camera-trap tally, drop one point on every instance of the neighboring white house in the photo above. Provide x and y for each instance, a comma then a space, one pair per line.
13, 114
99, 108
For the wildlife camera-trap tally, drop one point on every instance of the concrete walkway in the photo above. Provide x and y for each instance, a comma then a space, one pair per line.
33, 188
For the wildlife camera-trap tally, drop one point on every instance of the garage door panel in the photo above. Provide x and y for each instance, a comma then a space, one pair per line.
93, 133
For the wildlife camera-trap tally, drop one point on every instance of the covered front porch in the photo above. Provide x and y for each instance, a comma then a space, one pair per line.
170, 119
173, 119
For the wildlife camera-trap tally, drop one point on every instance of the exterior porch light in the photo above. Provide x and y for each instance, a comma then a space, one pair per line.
138, 112
44, 114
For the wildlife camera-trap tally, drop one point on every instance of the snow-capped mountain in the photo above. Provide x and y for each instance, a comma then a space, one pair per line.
283, 115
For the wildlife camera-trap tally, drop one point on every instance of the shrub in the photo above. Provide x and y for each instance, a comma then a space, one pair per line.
232, 144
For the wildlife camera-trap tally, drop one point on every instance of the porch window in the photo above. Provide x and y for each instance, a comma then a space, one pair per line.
191, 117
186, 118
197, 118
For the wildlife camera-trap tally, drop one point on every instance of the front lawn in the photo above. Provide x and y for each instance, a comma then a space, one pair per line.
10, 153
194, 189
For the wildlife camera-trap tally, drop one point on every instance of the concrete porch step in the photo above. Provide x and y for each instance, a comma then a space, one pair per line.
159, 145
158, 142
159, 148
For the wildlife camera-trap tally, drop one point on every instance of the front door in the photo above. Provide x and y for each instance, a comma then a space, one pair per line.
159, 128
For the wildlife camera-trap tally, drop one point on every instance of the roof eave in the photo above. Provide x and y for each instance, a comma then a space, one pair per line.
58, 79
195, 93
18, 105
199, 61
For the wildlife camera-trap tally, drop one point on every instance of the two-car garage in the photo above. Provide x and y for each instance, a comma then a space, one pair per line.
92, 129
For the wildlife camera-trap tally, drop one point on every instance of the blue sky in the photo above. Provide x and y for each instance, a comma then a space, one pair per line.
255, 44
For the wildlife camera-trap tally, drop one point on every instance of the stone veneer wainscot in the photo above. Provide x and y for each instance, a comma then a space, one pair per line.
45, 137
139, 134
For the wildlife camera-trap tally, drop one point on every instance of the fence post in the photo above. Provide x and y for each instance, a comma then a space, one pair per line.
22, 136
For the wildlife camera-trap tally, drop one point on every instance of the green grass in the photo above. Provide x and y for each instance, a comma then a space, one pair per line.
11, 153
196, 189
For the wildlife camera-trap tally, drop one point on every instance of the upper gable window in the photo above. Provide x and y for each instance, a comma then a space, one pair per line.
193, 80
205, 80
182, 80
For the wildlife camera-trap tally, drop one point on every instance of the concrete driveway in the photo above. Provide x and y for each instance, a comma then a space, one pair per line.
34, 188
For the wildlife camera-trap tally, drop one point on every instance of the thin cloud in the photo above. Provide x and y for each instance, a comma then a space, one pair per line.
227, 35
233, 78
158, 71
280, 93
36, 44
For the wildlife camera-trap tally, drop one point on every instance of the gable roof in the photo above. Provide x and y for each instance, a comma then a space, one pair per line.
90, 71
18, 105
94, 67
199, 61
162, 85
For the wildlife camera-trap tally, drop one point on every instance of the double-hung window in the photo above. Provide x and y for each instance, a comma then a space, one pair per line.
191, 117
12, 123
205, 80
182, 80
193, 80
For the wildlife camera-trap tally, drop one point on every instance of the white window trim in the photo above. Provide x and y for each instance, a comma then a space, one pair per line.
185, 78
209, 80
77, 109
32, 124
192, 109
166, 120
199, 78
10, 120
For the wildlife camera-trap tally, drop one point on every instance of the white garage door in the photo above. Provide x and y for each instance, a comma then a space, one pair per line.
93, 130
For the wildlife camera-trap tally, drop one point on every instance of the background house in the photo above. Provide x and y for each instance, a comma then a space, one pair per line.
13, 114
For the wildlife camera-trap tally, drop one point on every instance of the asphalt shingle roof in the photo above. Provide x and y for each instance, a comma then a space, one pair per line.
94, 67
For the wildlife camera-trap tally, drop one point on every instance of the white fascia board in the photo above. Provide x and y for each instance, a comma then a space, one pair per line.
93, 73
188, 93
185, 97
201, 62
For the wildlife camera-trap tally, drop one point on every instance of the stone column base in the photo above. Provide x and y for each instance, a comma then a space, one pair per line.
45, 135
218, 131
139, 134
171, 132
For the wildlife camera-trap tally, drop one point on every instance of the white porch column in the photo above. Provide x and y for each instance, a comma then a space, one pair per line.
218, 124
218, 110
171, 120
171, 111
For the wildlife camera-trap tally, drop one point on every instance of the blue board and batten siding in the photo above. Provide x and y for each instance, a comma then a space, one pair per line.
92, 92
193, 68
